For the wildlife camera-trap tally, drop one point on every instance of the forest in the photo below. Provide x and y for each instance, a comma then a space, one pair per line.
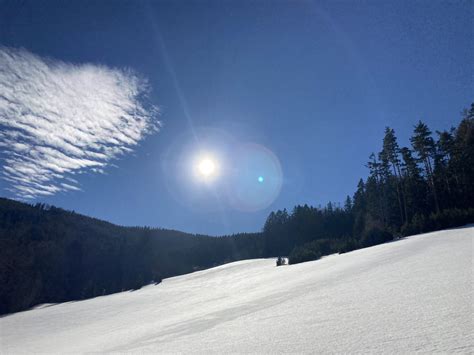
50, 255
410, 190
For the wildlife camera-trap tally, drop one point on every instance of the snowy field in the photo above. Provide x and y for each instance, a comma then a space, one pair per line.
415, 294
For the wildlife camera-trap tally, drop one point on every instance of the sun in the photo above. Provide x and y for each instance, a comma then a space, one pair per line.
207, 167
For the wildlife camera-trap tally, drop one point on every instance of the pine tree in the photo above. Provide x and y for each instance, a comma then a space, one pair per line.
424, 146
443, 173
391, 152
348, 204
463, 159
359, 208
414, 184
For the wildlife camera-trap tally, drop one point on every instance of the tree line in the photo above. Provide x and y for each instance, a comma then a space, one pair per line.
426, 186
50, 255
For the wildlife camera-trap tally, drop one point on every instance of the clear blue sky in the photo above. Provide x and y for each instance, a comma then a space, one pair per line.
314, 82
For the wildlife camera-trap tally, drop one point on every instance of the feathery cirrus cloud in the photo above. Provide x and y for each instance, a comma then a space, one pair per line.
59, 119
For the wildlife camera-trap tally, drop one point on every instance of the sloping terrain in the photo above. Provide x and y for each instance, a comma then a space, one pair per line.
50, 255
414, 294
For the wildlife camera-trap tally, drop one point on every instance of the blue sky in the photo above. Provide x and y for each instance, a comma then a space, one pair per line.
299, 90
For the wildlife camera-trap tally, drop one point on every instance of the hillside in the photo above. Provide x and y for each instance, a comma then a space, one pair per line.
50, 255
414, 294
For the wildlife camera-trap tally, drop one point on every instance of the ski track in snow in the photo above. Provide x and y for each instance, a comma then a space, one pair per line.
415, 294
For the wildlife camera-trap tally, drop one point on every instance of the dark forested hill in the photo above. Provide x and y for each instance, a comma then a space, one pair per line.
51, 255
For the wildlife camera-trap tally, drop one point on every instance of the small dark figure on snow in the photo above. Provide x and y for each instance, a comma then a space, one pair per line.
279, 261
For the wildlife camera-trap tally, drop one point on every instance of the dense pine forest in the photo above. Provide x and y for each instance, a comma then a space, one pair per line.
50, 255
409, 190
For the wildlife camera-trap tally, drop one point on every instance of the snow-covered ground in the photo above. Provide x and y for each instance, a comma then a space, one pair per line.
415, 294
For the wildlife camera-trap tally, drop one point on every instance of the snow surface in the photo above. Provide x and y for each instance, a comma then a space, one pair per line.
415, 294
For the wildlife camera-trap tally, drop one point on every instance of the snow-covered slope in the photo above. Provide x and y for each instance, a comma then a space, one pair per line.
415, 294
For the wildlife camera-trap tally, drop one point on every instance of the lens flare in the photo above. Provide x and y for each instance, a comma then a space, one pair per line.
210, 171
257, 178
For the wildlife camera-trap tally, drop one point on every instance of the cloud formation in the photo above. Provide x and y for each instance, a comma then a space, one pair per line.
59, 119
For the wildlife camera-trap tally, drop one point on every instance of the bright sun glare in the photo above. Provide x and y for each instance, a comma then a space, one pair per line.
207, 167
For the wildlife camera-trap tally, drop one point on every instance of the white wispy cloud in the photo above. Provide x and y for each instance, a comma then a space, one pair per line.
59, 119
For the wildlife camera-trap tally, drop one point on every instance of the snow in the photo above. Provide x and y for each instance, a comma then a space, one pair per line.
415, 294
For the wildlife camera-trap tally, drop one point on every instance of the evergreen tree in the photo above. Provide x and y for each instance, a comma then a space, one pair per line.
391, 152
415, 186
348, 204
359, 208
376, 192
424, 146
442, 171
